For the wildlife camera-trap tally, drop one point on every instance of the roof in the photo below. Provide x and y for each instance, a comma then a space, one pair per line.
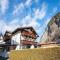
26, 31
7, 35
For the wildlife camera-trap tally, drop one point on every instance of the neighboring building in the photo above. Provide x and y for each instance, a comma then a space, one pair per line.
7, 37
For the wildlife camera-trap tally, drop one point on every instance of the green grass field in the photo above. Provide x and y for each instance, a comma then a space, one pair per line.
36, 54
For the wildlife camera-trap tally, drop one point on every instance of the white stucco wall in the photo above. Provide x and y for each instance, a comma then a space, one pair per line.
16, 40
32, 47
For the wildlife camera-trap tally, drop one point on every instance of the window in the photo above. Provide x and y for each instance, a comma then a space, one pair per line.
28, 46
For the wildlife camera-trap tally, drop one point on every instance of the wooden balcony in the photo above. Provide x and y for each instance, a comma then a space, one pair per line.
26, 42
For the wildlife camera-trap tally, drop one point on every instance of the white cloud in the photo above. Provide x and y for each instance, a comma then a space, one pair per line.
12, 25
8, 26
18, 8
2, 25
40, 13
4, 5
26, 21
28, 2
30, 21
15, 21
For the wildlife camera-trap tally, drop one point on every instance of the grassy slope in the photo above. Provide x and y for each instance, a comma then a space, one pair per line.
36, 54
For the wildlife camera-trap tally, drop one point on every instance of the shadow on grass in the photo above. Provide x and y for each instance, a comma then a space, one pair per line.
3, 58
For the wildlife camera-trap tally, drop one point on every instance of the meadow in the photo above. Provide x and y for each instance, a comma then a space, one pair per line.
36, 54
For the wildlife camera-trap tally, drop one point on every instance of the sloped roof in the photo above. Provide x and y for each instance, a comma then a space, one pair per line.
27, 31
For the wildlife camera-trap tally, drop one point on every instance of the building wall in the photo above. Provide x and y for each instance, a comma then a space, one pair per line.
16, 40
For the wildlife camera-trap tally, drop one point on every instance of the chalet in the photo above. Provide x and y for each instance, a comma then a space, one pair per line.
25, 37
21, 38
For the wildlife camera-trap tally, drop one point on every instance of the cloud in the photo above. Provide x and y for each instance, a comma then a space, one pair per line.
2, 25
28, 2
40, 13
15, 21
21, 6
30, 21
18, 8
12, 25
4, 5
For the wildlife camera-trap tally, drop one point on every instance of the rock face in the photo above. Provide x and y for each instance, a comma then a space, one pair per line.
52, 33
54, 28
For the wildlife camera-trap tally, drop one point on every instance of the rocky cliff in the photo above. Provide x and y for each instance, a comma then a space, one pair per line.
54, 28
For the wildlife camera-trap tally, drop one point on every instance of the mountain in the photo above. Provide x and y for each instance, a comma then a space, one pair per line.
53, 30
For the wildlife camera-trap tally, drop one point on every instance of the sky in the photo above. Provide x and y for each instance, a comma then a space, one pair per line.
21, 13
